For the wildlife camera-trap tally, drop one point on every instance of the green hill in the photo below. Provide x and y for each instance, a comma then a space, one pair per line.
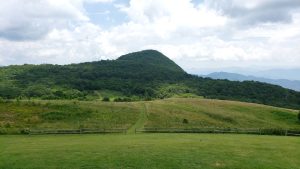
154, 59
144, 75
167, 113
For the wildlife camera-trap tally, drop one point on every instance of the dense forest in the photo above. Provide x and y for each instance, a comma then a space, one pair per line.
141, 75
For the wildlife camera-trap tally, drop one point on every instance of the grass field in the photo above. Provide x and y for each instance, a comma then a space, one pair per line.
218, 113
146, 150
150, 151
168, 113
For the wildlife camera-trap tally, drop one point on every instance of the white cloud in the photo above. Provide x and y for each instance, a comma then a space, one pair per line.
33, 19
195, 36
173, 13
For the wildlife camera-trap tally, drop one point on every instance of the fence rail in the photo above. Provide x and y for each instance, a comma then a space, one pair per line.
76, 131
256, 131
264, 131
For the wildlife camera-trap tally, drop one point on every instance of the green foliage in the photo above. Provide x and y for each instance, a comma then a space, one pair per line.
125, 99
144, 75
299, 116
24, 131
106, 99
170, 90
185, 121
9, 91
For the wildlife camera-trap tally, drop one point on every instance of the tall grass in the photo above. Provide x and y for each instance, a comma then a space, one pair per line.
169, 113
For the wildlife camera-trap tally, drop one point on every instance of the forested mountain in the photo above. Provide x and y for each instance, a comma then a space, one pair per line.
136, 76
290, 84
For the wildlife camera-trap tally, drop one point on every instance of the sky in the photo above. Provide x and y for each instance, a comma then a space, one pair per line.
201, 36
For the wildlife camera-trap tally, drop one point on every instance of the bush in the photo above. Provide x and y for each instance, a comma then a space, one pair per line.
24, 131
105, 99
185, 121
299, 116
125, 99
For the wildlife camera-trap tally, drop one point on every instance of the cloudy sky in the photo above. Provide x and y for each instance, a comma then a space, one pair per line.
199, 35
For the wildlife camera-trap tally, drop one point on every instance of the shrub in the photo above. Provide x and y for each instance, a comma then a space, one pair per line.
299, 116
24, 131
105, 99
125, 99
185, 121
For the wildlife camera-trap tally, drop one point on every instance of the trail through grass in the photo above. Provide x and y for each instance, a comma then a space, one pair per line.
141, 121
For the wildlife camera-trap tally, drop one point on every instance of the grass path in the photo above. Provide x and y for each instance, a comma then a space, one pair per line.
141, 121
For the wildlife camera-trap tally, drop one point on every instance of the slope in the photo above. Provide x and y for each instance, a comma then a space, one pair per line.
16, 116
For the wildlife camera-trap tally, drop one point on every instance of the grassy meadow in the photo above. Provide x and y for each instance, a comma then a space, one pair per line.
131, 150
168, 113
207, 151
218, 113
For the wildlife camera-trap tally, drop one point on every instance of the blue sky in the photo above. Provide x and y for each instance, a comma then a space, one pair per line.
106, 15
201, 36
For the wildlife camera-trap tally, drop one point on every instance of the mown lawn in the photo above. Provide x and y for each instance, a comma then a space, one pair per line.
150, 151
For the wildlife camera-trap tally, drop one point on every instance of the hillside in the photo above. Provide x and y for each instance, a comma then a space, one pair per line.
143, 75
167, 113
290, 84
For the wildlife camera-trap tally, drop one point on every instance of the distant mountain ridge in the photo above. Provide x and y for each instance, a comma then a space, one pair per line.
290, 84
290, 74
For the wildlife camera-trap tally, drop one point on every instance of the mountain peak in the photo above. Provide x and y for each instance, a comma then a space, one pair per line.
144, 54
151, 57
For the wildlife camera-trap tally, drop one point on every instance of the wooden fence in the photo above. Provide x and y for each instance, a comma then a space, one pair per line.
256, 131
264, 131
76, 131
